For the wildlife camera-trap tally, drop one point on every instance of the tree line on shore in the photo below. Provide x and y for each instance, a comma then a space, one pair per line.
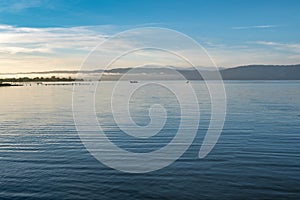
39, 79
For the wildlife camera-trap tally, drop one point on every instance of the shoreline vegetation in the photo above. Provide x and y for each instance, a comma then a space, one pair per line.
5, 82
38, 79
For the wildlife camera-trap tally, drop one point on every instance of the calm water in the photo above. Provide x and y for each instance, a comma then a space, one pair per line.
257, 155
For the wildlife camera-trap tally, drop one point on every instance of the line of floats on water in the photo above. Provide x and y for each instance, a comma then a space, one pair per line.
40, 84
53, 84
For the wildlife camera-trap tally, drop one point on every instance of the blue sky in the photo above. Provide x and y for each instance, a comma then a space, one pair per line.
234, 32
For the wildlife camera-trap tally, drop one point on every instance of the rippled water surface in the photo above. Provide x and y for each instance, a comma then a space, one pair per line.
257, 155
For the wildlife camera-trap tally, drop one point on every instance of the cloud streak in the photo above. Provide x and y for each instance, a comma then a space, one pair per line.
51, 38
254, 27
30, 49
19, 5
286, 47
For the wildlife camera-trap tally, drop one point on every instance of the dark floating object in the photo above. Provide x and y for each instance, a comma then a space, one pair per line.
133, 81
8, 84
4, 84
57, 84
187, 81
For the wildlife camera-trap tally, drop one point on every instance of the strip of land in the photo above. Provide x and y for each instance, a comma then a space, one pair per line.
250, 72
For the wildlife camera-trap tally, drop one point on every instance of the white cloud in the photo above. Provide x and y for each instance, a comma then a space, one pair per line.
254, 27
73, 37
288, 47
38, 49
231, 57
19, 5
15, 50
258, 52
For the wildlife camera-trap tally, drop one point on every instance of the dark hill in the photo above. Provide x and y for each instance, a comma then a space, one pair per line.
262, 72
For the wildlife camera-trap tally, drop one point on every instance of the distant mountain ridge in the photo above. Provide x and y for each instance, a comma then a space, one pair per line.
249, 72
262, 72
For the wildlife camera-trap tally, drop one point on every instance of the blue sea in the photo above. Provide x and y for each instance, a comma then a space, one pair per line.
256, 157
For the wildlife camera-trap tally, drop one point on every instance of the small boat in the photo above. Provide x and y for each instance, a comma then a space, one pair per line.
187, 81
133, 81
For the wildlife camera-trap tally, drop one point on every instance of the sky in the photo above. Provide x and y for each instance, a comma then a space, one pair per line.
43, 35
